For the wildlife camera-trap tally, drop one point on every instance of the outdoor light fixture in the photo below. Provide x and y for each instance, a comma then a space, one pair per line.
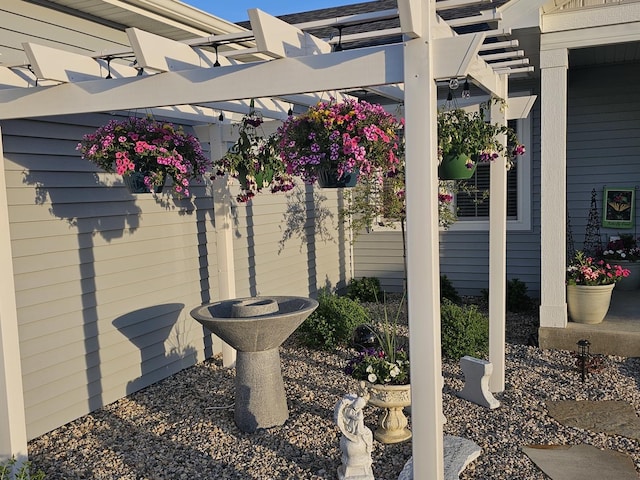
466, 91
338, 46
290, 111
108, 59
583, 355
221, 117
216, 63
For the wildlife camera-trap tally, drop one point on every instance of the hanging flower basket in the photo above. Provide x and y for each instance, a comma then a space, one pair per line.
254, 160
456, 167
342, 137
468, 132
154, 149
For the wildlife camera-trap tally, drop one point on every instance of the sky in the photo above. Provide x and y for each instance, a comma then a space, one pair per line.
236, 10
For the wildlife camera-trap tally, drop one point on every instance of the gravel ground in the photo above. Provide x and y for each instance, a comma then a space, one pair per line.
182, 427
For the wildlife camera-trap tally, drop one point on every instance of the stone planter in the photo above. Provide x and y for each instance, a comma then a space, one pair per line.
392, 423
588, 304
632, 282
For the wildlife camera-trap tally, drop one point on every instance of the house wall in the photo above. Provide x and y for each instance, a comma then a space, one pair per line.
105, 279
603, 141
464, 254
291, 244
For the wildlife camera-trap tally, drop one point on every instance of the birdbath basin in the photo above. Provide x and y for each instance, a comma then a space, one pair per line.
256, 327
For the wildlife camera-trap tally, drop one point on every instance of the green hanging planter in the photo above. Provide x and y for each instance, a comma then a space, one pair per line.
454, 167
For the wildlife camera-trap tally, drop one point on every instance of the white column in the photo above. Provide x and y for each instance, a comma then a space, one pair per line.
13, 430
423, 250
553, 186
224, 235
498, 252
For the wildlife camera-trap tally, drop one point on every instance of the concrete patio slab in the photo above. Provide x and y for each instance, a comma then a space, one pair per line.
581, 462
612, 417
618, 334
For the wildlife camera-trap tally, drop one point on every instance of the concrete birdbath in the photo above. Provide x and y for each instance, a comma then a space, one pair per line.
256, 327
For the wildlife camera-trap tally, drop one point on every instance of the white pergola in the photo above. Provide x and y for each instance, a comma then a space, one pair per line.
290, 66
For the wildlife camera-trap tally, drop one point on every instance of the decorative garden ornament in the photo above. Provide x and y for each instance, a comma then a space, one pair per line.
356, 441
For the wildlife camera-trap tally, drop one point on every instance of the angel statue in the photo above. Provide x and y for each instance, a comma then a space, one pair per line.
356, 441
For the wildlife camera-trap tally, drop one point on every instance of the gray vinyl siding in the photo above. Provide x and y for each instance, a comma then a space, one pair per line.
291, 244
104, 279
603, 141
464, 255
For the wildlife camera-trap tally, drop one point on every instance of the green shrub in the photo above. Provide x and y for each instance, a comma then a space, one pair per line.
465, 331
517, 298
365, 289
23, 473
332, 323
447, 290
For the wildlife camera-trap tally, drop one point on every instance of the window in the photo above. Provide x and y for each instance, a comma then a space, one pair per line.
473, 212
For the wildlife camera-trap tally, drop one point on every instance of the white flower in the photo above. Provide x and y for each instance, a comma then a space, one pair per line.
369, 369
372, 377
395, 371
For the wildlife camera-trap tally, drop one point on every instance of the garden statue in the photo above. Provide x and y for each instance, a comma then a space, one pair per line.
356, 441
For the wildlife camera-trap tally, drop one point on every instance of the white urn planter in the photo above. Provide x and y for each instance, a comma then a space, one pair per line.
632, 282
589, 304
392, 423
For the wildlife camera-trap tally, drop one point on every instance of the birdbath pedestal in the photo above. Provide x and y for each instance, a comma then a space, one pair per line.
256, 327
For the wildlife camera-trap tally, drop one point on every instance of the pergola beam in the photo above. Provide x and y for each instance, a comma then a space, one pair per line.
349, 69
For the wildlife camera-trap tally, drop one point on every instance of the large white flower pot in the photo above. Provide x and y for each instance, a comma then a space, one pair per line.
588, 304
632, 282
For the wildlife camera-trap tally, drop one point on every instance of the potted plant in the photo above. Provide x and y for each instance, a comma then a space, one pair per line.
624, 250
335, 142
589, 286
145, 152
385, 375
254, 160
465, 138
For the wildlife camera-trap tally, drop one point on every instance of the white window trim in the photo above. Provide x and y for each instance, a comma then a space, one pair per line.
523, 221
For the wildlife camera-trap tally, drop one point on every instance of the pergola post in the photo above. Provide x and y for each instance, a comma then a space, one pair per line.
224, 235
423, 271
13, 435
553, 187
498, 253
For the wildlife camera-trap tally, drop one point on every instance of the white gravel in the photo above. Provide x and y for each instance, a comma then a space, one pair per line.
182, 427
